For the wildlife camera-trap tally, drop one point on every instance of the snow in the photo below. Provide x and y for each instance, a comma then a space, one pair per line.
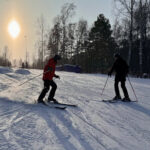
22, 71
4, 70
93, 125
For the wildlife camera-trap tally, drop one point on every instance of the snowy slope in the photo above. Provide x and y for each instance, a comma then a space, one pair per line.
94, 125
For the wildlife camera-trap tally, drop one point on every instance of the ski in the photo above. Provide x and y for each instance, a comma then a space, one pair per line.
115, 101
110, 101
64, 104
60, 104
129, 101
53, 106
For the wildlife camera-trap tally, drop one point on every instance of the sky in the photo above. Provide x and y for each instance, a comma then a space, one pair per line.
26, 12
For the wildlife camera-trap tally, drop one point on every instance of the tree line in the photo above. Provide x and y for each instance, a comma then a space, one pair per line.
132, 34
4, 57
92, 48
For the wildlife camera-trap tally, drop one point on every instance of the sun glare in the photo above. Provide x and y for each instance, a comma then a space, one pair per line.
14, 29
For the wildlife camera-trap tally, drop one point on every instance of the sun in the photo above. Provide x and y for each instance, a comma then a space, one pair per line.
14, 29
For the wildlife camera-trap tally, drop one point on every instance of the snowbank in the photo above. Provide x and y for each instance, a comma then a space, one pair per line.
23, 71
4, 70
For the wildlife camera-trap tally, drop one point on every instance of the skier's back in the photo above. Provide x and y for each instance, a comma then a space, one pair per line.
121, 69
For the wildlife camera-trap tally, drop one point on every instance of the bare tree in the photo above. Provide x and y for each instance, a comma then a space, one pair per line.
41, 31
67, 11
81, 37
55, 34
137, 16
71, 39
128, 7
5, 54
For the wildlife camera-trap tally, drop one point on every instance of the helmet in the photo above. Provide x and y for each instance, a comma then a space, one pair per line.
117, 55
57, 57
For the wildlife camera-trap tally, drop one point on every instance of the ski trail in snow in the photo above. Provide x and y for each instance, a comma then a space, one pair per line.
75, 132
58, 132
93, 125
98, 133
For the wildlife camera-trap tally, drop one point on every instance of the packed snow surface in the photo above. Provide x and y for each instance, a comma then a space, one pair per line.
93, 125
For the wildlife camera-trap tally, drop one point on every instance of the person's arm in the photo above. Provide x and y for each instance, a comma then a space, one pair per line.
127, 69
50, 69
112, 69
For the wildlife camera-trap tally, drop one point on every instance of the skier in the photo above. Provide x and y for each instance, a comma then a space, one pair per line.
121, 69
49, 73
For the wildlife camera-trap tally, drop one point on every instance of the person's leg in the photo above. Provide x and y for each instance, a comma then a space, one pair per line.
124, 89
53, 90
44, 91
117, 89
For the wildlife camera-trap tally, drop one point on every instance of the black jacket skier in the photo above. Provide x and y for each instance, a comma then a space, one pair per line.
121, 68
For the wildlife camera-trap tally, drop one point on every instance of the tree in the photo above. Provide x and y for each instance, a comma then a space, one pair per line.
101, 46
81, 37
143, 16
4, 58
5, 55
128, 7
59, 36
41, 31
54, 42
67, 11
138, 29
71, 40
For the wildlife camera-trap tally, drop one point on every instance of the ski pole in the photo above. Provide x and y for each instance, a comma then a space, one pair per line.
33, 78
132, 89
104, 85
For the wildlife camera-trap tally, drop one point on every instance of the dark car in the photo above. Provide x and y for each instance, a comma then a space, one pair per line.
69, 68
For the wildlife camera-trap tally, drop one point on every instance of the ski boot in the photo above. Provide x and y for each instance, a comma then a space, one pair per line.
126, 99
117, 98
40, 102
53, 100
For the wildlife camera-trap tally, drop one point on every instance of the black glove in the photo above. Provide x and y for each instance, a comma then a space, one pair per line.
56, 76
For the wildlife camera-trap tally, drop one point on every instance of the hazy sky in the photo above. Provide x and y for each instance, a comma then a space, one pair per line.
26, 13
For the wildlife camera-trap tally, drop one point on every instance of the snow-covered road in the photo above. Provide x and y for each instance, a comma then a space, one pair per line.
93, 125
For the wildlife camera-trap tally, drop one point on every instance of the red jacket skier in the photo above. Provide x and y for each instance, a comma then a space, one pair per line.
49, 70
48, 74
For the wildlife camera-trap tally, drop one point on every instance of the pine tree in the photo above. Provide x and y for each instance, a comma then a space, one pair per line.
102, 45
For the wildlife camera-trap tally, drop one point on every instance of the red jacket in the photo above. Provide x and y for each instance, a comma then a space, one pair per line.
49, 70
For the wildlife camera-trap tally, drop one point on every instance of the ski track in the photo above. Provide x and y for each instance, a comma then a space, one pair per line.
93, 125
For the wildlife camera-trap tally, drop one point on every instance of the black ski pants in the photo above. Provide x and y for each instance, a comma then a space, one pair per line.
122, 86
47, 84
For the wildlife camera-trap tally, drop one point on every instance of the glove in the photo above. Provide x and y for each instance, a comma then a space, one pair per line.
56, 76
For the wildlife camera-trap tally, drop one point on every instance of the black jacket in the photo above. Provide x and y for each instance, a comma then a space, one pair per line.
120, 67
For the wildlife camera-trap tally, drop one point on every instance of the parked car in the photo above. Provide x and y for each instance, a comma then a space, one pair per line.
69, 68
